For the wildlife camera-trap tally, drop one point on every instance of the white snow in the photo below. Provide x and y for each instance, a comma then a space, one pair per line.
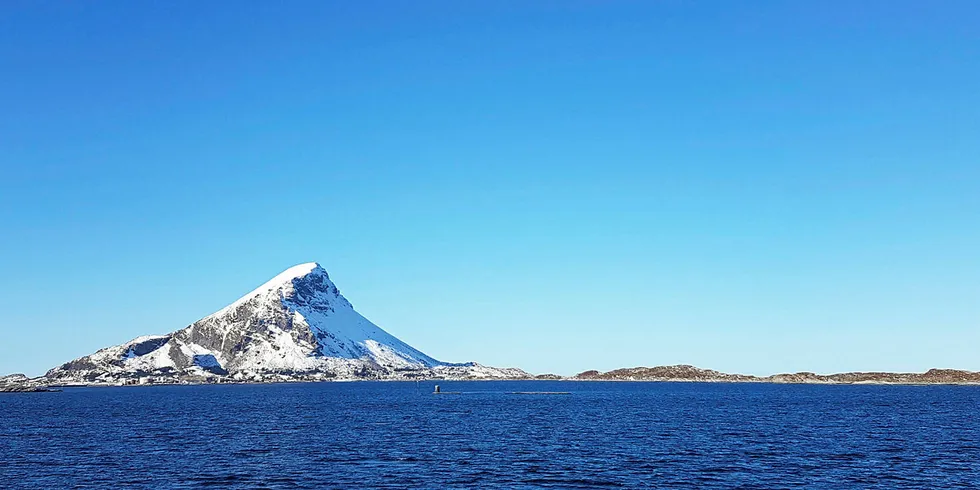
282, 280
157, 359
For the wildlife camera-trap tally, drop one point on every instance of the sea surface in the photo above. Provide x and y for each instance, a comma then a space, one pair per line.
400, 435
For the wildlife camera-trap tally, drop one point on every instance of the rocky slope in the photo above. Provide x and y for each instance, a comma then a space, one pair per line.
296, 326
691, 373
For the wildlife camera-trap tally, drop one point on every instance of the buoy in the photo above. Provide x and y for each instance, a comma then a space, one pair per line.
437, 389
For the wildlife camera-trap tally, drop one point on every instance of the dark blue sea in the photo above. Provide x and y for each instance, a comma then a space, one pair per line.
399, 435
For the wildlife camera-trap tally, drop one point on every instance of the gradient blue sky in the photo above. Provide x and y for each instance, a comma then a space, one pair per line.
747, 186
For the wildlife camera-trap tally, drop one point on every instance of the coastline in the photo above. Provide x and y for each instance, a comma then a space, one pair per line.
658, 374
60, 386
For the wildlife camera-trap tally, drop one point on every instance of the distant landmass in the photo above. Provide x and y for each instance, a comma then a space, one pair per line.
298, 327
691, 373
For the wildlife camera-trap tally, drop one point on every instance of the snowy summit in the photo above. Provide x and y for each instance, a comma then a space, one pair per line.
295, 326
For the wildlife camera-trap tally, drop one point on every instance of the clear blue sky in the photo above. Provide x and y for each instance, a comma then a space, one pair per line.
564, 185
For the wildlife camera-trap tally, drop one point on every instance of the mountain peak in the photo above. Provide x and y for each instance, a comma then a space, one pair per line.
296, 325
297, 271
283, 280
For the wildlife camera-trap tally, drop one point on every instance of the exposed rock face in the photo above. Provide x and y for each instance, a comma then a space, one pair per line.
295, 326
691, 373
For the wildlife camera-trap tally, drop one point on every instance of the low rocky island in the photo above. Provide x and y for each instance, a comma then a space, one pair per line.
693, 374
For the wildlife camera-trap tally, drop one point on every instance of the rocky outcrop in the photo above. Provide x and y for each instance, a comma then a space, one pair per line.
20, 388
13, 378
691, 373
19, 383
663, 373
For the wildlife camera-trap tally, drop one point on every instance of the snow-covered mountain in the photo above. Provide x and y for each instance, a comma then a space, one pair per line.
295, 326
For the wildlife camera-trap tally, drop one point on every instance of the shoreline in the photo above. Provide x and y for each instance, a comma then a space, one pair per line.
681, 373
55, 387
